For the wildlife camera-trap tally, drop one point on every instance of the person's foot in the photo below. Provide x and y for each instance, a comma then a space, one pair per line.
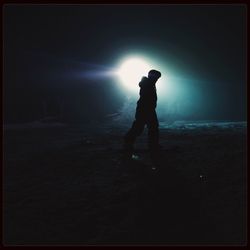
127, 153
126, 157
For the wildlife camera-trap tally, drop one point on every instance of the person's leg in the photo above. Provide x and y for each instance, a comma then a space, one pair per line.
153, 131
134, 131
130, 137
137, 127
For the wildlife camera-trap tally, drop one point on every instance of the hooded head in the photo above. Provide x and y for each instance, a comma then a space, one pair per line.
154, 74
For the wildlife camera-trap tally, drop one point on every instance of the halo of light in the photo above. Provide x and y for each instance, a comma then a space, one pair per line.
132, 70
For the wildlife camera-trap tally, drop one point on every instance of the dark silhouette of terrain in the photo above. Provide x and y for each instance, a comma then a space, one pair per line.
67, 185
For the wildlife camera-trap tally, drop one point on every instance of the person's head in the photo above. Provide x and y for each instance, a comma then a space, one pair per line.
154, 74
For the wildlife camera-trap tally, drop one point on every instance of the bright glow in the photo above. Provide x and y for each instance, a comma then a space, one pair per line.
179, 93
132, 70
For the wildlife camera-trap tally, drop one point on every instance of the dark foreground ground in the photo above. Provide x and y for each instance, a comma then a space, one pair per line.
66, 185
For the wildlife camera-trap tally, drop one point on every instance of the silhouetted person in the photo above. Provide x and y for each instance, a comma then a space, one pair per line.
145, 115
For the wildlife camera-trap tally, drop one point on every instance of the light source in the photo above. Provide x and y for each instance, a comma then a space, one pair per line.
132, 70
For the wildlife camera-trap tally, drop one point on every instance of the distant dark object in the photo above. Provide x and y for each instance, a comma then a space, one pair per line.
145, 115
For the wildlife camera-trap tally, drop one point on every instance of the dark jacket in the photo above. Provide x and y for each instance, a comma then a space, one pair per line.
148, 96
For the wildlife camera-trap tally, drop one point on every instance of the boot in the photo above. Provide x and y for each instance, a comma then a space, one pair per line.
128, 150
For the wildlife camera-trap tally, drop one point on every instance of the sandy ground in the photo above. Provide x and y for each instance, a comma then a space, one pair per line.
67, 186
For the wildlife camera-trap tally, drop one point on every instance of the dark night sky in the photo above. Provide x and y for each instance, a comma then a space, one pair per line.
45, 45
